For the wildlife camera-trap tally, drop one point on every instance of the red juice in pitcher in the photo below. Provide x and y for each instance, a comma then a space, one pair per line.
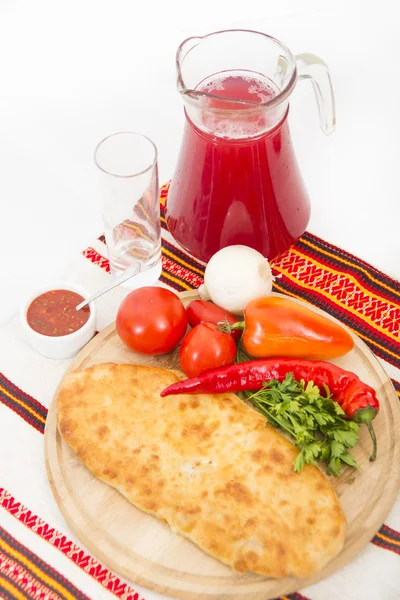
229, 189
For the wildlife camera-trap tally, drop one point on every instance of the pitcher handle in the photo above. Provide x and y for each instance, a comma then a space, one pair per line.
310, 66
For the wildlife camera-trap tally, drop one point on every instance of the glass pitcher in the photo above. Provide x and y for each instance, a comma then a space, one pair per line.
237, 179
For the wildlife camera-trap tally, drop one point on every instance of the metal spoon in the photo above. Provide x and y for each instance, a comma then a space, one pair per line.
127, 274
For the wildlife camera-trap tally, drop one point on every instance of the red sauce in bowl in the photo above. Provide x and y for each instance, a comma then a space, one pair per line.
53, 313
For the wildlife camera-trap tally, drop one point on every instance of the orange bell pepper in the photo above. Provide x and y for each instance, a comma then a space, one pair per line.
275, 326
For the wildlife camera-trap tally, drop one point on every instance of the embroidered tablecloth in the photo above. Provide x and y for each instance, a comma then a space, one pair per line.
40, 558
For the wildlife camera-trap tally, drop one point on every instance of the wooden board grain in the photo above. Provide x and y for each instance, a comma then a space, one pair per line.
144, 550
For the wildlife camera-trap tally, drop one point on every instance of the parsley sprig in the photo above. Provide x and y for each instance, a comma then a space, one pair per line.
317, 424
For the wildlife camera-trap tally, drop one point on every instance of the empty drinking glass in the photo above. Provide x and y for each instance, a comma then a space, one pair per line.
131, 208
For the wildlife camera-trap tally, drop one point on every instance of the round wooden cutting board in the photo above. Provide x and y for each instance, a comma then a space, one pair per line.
144, 550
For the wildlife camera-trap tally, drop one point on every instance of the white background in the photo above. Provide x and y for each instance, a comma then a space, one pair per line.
75, 71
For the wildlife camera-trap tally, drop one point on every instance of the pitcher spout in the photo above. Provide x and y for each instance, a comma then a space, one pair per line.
182, 52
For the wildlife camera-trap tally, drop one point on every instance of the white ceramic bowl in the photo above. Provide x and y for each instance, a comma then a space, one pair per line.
64, 346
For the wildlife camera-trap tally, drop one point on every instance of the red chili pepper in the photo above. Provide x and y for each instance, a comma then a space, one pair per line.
357, 399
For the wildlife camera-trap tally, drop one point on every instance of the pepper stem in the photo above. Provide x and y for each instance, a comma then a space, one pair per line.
374, 442
227, 327
238, 325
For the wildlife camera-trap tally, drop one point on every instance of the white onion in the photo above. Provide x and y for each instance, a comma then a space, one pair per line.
234, 276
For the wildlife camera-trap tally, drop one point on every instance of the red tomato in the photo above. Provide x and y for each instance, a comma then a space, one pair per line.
205, 347
201, 311
151, 320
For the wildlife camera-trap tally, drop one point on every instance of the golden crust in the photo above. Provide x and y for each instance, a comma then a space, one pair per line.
208, 465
